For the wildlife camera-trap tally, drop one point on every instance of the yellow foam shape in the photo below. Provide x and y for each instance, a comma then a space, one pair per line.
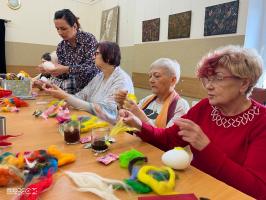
160, 187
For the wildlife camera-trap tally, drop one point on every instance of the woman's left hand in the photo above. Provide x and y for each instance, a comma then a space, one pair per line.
192, 133
130, 119
133, 107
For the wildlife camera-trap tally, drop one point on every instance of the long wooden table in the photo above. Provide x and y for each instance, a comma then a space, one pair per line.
39, 134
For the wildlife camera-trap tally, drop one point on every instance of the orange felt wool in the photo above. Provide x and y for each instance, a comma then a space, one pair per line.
8, 175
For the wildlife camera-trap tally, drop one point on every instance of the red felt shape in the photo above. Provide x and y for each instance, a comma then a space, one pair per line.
33, 191
5, 93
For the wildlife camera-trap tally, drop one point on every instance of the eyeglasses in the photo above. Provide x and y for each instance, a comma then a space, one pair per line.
215, 79
97, 53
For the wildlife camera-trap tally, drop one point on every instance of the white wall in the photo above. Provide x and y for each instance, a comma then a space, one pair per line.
164, 8
33, 22
130, 31
127, 19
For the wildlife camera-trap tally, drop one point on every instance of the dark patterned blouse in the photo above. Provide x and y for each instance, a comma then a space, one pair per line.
80, 61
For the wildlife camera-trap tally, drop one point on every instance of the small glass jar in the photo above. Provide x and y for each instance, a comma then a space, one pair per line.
72, 132
100, 139
2, 125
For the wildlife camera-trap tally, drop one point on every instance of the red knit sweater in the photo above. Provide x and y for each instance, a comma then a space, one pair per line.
236, 153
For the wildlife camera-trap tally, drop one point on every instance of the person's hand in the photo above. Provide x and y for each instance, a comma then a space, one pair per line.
56, 71
120, 96
135, 109
130, 119
192, 133
54, 91
37, 84
59, 69
130, 105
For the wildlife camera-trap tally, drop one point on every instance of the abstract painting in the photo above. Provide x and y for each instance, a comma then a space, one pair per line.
109, 24
179, 25
151, 30
221, 19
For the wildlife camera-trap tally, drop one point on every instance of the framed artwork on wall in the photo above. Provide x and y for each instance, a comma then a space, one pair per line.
221, 19
151, 30
179, 25
109, 25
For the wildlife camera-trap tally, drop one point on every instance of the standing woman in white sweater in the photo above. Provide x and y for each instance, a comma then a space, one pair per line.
97, 97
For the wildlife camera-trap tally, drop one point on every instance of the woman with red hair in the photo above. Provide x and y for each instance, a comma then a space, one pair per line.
227, 130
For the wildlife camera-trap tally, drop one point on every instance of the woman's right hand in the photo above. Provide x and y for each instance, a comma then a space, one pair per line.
38, 84
54, 91
120, 97
130, 119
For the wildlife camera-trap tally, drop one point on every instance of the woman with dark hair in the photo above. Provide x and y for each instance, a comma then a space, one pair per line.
227, 130
76, 67
97, 97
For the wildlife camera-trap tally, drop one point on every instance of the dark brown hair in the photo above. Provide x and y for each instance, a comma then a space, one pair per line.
46, 56
67, 15
110, 52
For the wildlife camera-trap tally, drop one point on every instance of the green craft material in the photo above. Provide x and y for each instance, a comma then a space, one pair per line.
138, 186
127, 156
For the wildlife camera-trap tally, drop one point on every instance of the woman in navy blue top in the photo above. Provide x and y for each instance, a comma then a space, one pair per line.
76, 67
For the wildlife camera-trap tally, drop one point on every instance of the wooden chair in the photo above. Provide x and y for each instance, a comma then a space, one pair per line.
259, 95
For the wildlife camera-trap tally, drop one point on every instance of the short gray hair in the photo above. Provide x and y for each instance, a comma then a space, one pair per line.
171, 67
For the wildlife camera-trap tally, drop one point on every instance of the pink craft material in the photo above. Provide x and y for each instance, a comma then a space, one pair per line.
107, 159
33, 191
85, 140
63, 115
49, 111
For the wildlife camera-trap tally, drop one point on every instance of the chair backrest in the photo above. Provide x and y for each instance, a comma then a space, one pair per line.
259, 95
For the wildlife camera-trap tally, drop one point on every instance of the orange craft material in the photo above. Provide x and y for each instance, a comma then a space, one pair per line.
7, 176
161, 120
14, 101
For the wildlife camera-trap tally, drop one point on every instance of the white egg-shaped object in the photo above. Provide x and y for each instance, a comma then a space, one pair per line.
177, 158
48, 65
44, 79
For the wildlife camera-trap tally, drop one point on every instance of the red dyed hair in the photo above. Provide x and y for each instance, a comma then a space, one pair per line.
207, 65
